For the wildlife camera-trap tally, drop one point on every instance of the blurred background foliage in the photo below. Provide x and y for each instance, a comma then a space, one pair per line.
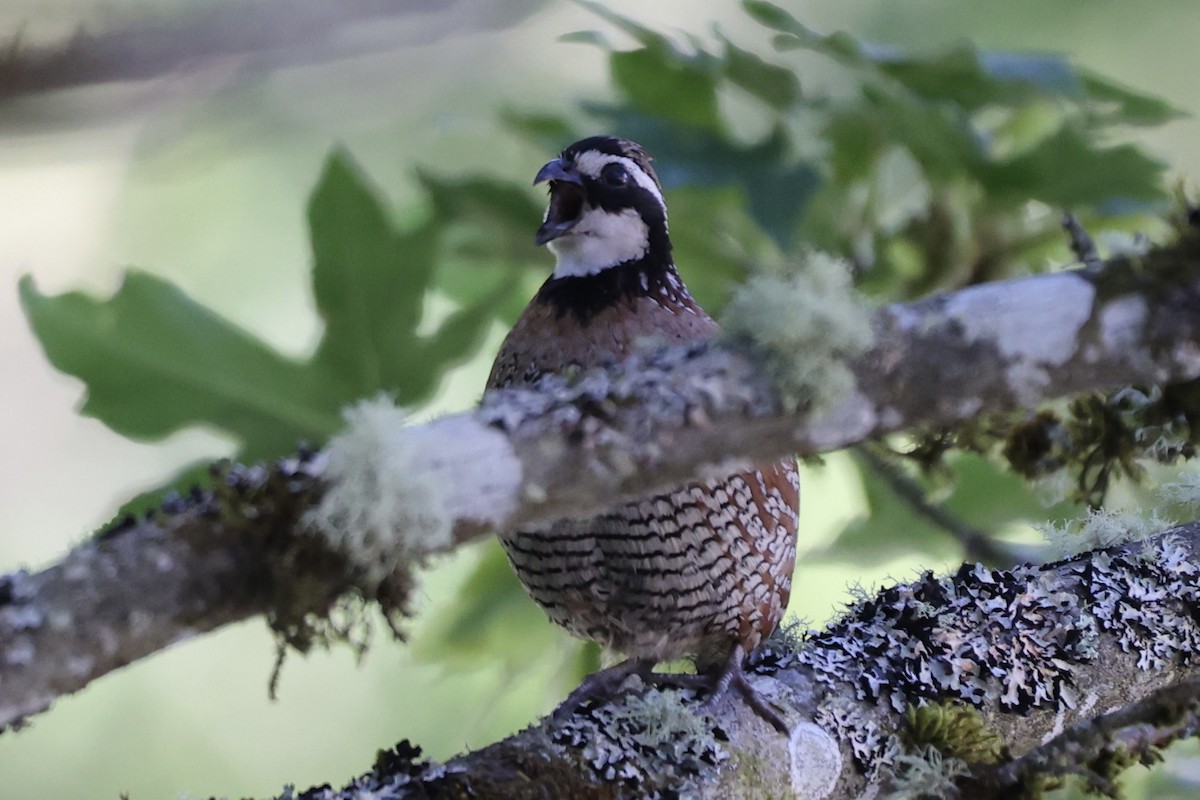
160, 158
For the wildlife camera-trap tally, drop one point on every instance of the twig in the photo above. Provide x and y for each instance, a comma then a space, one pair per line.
977, 544
1136, 732
1081, 242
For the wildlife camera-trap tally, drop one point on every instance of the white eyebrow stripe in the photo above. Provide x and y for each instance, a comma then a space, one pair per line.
591, 162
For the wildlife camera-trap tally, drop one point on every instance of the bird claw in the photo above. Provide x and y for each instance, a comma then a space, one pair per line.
601, 685
732, 676
606, 683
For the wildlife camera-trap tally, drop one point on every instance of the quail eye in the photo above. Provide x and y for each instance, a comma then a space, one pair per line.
614, 175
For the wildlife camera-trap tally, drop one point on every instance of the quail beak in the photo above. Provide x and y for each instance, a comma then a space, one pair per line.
566, 200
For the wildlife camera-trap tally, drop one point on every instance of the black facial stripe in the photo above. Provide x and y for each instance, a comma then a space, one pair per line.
647, 206
615, 200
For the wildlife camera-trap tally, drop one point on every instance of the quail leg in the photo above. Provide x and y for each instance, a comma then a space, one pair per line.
732, 676
602, 685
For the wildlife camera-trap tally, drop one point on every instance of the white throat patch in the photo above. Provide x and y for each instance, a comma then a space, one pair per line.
598, 241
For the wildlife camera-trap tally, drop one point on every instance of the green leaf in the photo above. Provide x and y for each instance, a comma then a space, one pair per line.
550, 132
647, 37
872, 539
992, 496
714, 240
492, 220
777, 191
1128, 106
659, 78
458, 337
489, 263
982, 494
973, 78
491, 617
369, 284
654, 81
776, 86
372, 281
796, 35
1067, 170
938, 136
155, 361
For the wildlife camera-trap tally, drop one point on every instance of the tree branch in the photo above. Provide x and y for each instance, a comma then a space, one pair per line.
1008, 675
263, 34
976, 544
576, 445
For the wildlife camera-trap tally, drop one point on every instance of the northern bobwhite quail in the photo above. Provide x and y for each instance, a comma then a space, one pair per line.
702, 572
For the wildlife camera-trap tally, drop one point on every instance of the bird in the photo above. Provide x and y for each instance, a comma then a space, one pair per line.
701, 572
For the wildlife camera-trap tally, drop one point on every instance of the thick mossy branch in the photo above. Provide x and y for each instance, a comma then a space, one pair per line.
1082, 446
989, 683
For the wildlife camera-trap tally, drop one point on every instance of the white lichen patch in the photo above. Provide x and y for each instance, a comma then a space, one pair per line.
851, 420
658, 718
999, 318
1145, 601
381, 510
805, 323
1100, 528
1121, 323
816, 761
1183, 492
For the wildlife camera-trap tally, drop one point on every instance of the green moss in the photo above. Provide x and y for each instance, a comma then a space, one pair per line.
956, 730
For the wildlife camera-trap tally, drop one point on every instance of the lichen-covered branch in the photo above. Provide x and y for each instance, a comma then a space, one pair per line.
572, 446
145, 584
990, 683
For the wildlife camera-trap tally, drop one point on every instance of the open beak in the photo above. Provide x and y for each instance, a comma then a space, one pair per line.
566, 200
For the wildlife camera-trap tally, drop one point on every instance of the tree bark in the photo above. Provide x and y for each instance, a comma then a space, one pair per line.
988, 683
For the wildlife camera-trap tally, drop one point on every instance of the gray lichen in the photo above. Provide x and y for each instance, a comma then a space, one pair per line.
1146, 601
654, 743
1012, 640
805, 323
925, 773
1101, 527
